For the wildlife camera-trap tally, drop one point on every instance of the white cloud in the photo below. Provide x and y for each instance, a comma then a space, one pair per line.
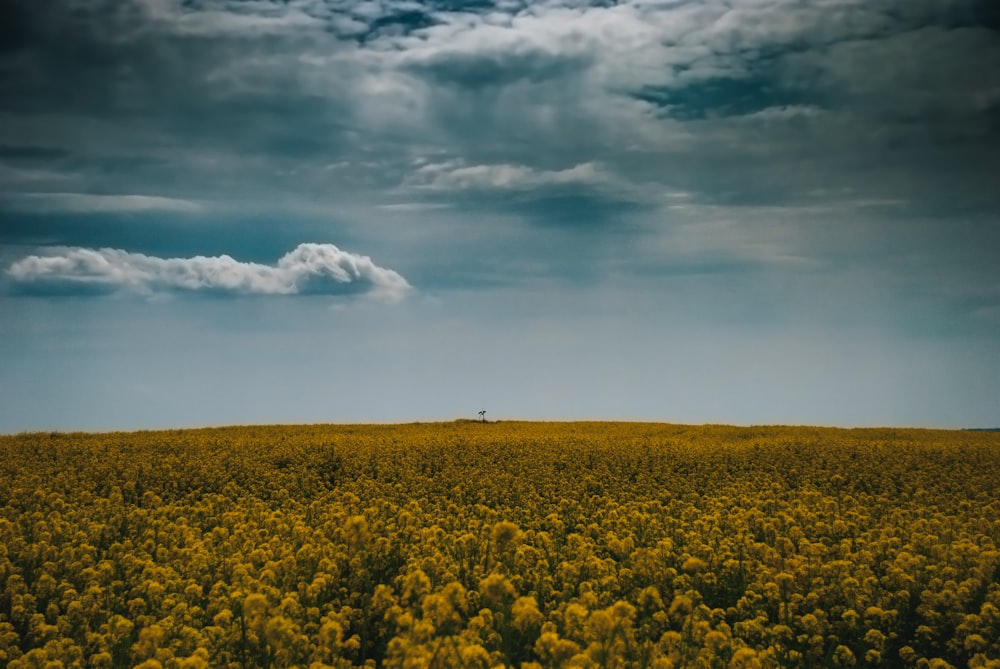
454, 175
99, 204
309, 268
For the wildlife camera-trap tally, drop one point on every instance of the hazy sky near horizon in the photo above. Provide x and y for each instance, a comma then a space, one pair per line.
740, 211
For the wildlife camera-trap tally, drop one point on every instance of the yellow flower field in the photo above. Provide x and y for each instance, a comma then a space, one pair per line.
500, 545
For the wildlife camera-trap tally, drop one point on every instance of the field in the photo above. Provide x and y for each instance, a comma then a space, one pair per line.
501, 544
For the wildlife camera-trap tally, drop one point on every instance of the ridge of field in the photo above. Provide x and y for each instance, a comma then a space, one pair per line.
513, 544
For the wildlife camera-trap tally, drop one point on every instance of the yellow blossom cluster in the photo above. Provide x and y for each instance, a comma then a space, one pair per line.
483, 545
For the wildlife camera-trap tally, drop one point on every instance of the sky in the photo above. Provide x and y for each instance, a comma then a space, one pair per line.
299, 211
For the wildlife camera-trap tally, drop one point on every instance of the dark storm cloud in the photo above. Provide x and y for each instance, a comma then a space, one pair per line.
167, 86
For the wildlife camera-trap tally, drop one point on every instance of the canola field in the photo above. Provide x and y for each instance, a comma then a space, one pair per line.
507, 544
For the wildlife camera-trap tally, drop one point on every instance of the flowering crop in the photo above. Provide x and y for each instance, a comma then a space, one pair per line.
513, 544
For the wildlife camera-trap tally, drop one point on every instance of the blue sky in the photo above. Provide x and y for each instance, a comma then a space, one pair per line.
739, 211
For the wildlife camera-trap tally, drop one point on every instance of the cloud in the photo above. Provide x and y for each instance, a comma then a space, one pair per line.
87, 203
308, 269
473, 69
584, 196
409, 207
555, 112
454, 175
207, 87
221, 22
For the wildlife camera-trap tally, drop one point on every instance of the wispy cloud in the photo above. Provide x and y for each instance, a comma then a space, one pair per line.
55, 203
219, 21
309, 269
409, 207
455, 175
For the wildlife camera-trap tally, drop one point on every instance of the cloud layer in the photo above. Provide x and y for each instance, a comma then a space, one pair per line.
454, 176
99, 204
575, 139
308, 269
